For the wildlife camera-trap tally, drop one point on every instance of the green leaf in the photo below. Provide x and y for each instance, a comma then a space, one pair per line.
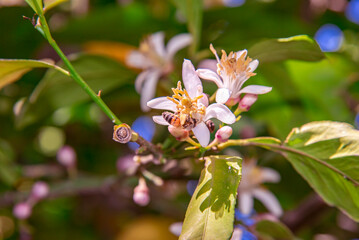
48, 4
210, 213
269, 230
56, 90
9, 171
299, 47
12, 70
36, 5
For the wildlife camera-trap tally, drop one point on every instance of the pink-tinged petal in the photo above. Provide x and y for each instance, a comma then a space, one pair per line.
176, 43
157, 42
176, 228
137, 60
204, 100
268, 200
202, 134
191, 81
160, 120
253, 65
239, 53
210, 64
221, 112
211, 76
140, 80
245, 201
162, 103
269, 175
148, 90
237, 234
222, 95
255, 89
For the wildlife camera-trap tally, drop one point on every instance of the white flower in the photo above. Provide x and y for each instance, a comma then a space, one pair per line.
250, 186
192, 104
232, 72
156, 60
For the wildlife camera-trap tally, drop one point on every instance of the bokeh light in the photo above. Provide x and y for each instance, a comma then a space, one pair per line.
329, 37
357, 120
233, 3
352, 11
145, 127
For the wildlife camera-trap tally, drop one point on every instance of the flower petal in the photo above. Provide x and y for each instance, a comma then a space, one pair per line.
222, 95
239, 53
202, 134
140, 79
211, 76
255, 89
221, 112
245, 200
210, 64
157, 42
268, 200
162, 103
176, 228
159, 120
176, 43
137, 60
191, 81
149, 89
269, 175
253, 65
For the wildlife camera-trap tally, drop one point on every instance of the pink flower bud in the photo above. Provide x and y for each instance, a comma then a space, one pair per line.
40, 190
22, 210
223, 134
179, 133
66, 156
141, 194
247, 101
232, 101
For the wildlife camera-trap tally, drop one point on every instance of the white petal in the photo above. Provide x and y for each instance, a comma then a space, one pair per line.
268, 200
160, 120
239, 53
202, 134
176, 43
237, 234
162, 103
211, 76
210, 64
137, 60
140, 79
176, 228
245, 202
157, 42
253, 65
221, 112
269, 175
222, 95
191, 81
255, 89
148, 90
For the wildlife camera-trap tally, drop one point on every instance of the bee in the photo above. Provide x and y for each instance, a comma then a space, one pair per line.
210, 125
180, 120
172, 119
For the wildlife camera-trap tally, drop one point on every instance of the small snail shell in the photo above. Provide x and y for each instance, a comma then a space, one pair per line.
122, 133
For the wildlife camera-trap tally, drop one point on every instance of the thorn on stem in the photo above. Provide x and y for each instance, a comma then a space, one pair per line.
32, 20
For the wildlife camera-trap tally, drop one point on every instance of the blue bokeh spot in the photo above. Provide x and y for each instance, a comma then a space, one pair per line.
329, 37
352, 11
191, 186
245, 218
357, 120
233, 3
145, 127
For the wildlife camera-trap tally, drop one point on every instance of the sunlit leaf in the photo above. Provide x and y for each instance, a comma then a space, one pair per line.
210, 213
48, 4
36, 5
298, 47
269, 230
57, 90
12, 70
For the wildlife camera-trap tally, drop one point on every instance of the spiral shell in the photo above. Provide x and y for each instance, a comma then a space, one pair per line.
122, 133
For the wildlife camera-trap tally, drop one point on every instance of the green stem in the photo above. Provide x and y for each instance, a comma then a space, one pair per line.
74, 75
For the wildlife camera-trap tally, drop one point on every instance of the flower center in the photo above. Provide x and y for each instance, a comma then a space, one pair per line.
187, 106
147, 48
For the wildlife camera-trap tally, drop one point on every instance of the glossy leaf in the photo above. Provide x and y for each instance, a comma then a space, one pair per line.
57, 90
12, 70
298, 47
210, 213
269, 230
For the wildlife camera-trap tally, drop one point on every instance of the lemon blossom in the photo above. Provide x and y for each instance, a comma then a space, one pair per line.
232, 72
192, 102
156, 60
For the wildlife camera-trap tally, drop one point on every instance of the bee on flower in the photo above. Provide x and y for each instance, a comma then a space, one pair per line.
189, 108
156, 60
233, 70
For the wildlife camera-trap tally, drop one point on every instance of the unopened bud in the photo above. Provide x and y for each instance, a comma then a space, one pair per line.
141, 194
66, 156
40, 190
22, 210
247, 101
122, 133
232, 101
179, 133
223, 134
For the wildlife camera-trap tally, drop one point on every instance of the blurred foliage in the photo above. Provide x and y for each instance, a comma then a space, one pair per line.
303, 91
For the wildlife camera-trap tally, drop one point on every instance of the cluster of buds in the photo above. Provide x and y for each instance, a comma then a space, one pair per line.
23, 210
